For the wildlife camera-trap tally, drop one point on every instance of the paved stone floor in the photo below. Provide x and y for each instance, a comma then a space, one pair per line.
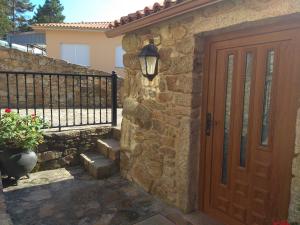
72, 197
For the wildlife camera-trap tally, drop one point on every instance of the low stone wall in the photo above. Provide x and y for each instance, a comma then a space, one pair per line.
4, 216
62, 149
14, 60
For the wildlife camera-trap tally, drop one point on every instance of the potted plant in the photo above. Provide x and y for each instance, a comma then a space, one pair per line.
19, 138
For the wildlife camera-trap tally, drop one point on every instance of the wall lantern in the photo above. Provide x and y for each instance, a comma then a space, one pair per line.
149, 60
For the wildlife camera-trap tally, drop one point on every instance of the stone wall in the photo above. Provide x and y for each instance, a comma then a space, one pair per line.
14, 60
295, 190
62, 149
161, 119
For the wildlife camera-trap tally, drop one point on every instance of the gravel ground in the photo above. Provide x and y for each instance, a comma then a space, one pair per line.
73, 117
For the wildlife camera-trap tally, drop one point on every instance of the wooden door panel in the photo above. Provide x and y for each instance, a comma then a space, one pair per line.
220, 201
262, 154
226, 69
253, 106
245, 85
287, 86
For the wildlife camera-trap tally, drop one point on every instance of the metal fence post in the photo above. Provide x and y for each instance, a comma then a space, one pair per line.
114, 102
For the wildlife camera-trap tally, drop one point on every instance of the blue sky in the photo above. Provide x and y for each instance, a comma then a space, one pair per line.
98, 10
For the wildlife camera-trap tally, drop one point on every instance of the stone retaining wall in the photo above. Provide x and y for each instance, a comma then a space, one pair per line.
14, 60
4, 216
62, 149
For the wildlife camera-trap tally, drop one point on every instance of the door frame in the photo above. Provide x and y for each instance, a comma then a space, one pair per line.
263, 26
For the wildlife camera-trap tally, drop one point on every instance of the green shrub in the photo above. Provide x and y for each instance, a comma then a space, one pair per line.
20, 132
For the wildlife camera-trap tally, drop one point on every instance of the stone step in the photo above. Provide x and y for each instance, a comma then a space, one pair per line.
109, 148
98, 165
116, 133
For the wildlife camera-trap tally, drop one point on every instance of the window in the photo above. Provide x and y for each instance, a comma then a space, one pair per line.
76, 53
230, 68
267, 98
119, 52
247, 92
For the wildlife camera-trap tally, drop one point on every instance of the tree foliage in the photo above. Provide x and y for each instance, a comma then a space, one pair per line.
18, 10
14, 17
50, 12
5, 23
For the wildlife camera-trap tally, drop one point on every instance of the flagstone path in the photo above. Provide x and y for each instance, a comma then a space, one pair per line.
72, 197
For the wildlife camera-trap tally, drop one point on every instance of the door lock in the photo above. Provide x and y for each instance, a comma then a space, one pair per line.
208, 124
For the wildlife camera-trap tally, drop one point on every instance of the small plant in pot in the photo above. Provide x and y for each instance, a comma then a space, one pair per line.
19, 138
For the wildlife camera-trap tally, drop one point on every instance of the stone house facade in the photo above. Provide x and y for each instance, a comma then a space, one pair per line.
162, 142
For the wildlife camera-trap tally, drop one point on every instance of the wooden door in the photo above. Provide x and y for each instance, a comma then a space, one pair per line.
252, 102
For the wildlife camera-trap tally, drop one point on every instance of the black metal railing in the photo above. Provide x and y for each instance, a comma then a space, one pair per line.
32, 47
62, 100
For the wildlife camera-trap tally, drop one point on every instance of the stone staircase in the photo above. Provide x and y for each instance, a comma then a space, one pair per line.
104, 161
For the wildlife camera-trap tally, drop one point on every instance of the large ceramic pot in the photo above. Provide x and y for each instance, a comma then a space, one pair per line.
16, 163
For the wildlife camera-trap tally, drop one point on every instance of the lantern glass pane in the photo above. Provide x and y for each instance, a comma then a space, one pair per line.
143, 65
151, 64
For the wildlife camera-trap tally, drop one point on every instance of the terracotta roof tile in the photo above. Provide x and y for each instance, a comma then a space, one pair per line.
147, 11
79, 25
158, 12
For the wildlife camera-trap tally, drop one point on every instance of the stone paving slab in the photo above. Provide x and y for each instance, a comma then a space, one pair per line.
156, 220
72, 197
4, 216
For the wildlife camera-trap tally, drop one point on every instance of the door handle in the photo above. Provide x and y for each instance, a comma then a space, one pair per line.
208, 124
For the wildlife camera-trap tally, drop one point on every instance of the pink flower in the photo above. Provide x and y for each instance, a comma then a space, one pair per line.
33, 117
8, 110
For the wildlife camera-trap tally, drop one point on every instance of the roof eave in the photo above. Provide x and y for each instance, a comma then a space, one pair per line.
38, 28
165, 14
